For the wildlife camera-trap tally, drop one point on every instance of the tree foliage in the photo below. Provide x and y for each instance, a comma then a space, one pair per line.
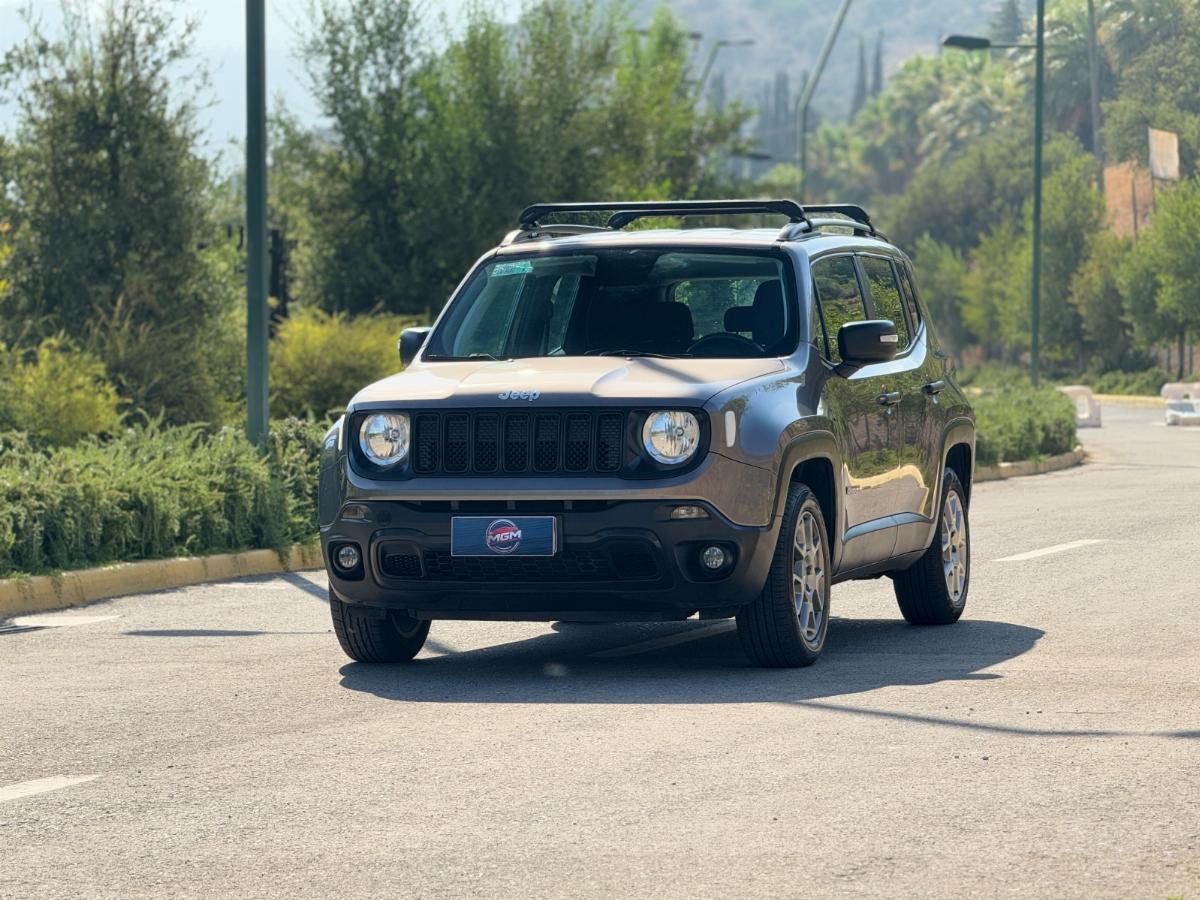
109, 204
432, 155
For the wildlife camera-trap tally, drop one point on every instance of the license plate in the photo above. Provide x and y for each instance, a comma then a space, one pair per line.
499, 536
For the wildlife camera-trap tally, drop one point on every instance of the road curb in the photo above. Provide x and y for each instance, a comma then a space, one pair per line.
1030, 466
1131, 400
41, 593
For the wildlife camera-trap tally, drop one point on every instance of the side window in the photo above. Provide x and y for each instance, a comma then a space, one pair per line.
885, 295
910, 295
839, 297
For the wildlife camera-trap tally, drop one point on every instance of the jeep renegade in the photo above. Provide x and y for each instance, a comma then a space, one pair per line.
607, 424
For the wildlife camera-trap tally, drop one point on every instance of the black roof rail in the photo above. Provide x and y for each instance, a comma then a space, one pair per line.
536, 232
849, 210
624, 212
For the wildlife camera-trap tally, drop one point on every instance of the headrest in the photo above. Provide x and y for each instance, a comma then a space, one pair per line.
768, 314
668, 324
739, 318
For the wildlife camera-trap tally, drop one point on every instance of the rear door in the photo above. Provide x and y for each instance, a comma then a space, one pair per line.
863, 412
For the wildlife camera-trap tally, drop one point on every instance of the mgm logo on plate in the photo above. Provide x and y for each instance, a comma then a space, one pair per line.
502, 536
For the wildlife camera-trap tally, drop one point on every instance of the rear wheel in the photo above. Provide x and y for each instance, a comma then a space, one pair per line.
787, 624
933, 590
365, 638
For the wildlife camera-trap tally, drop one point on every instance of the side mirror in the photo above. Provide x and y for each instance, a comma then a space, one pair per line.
866, 342
411, 342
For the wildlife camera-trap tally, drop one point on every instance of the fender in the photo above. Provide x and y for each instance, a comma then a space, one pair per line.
959, 430
813, 445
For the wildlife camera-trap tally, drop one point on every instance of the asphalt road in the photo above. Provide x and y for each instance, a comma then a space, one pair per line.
214, 740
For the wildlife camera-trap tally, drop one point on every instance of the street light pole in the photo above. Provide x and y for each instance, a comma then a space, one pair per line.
970, 42
805, 98
256, 222
1094, 93
1035, 296
712, 58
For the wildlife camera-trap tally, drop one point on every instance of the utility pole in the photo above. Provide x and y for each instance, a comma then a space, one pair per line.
1035, 295
1094, 90
256, 222
806, 95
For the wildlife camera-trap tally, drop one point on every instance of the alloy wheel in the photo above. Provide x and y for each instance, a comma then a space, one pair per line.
954, 546
808, 578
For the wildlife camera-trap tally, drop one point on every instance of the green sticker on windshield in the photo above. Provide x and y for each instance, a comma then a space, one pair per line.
516, 267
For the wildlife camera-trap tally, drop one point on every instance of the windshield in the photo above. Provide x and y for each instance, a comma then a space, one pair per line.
639, 302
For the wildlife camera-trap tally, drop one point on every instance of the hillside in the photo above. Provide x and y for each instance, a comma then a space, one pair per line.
788, 37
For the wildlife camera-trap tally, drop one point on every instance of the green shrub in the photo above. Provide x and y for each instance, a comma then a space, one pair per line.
153, 492
993, 376
294, 458
57, 394
1013, 425
1148, 382
320, 360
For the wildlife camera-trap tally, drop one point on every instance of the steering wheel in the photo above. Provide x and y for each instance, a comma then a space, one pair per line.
727, 344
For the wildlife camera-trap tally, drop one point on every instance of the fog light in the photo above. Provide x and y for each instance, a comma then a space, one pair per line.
347, 557
713, 557
689, 512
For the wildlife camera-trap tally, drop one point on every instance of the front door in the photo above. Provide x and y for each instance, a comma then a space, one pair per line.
888, 293
863, 407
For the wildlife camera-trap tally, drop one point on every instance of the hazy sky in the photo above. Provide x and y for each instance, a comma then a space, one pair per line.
220, 46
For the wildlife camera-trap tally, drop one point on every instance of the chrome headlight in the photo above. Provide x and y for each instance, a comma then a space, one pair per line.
671, 436
384, 438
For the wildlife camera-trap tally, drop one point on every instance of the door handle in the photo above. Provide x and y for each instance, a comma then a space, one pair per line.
891, 398
934, 387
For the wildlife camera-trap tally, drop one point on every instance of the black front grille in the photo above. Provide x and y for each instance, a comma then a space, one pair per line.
479, 442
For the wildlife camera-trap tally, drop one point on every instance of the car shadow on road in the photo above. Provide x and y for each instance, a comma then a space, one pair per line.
568, 665
563, 666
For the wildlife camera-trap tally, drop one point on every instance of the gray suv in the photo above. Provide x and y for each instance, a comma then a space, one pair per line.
608, 424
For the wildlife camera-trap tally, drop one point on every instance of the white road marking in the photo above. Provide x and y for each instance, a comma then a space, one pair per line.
1047, 551
41, 786
52, 620
692, 634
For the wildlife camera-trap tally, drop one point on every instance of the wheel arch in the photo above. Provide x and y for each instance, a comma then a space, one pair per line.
960, 458
814, 460
958, 453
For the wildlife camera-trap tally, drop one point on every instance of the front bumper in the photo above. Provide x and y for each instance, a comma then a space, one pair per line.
618, 561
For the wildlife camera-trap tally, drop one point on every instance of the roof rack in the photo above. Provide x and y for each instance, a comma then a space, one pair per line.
624, 212
800, 222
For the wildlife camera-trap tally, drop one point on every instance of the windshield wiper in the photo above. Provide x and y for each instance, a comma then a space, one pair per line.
650, 353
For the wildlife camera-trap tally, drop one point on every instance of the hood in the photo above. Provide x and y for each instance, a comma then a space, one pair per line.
565, 380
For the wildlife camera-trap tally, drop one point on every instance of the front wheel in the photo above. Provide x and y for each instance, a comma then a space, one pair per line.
787, 624
933, 590
365, 638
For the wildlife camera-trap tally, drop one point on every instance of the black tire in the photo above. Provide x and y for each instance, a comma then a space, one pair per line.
770, 627
365, 638
923, 590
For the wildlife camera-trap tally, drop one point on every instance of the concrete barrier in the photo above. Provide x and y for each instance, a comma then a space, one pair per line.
1087, 407
1181, 390
1183, 412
